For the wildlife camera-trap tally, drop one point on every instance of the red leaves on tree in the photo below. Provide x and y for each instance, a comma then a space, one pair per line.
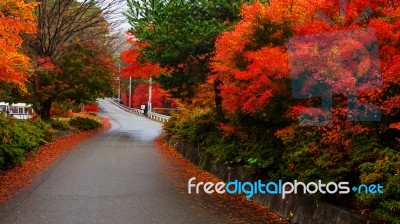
135, 65
388, 36
251, 58
45, 63
140, 96
249, 68
138, 67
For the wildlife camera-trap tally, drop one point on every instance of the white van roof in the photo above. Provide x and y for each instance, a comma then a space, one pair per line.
15, 104
21, 105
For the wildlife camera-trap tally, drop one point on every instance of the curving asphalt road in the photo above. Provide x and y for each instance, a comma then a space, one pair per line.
115, 177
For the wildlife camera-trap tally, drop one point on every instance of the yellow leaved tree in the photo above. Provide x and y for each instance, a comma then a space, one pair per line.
16, 18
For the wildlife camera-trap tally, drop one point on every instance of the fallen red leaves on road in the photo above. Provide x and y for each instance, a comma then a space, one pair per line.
237, 208
13, 181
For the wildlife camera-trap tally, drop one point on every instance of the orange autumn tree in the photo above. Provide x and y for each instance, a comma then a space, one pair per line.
362, 152
16, 18
251, 60
253, 63
357, 15
140, 96
140, 69
136, 65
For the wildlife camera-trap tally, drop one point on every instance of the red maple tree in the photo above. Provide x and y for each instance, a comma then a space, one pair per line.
136, 65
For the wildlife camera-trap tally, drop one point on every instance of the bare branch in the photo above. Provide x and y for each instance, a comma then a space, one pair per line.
60, 21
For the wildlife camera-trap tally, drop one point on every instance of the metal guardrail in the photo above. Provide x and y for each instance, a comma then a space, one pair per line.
132, 110
158, 117
151, 115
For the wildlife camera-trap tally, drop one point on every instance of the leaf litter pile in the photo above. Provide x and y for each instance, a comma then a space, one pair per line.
13, 181
236, 208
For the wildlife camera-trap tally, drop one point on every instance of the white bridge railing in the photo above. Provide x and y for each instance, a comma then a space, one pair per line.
158, 117
151, 115
132, 110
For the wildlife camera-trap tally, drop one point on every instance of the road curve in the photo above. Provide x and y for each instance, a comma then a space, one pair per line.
115, 177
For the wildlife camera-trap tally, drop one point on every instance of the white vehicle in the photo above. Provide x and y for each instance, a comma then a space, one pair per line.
20, 111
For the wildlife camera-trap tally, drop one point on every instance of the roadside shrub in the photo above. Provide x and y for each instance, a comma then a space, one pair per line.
59, 124
85, 124
253, 146
313, 154
19, 139
64, 108
353, 152
91, 108
195, 125
385, 170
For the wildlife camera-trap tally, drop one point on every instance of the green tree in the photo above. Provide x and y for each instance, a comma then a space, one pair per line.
87, 72
62, 23
180, 35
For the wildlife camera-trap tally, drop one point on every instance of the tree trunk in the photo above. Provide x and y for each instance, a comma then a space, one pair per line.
45, 108
218, 101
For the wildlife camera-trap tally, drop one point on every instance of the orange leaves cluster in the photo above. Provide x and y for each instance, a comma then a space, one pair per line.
251, 58
16, 18
140, 96
137, 67
385, 20
395, 126
237, 208
45, 63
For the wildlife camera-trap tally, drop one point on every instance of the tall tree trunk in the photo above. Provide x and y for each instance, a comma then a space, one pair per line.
45, 108
218, 100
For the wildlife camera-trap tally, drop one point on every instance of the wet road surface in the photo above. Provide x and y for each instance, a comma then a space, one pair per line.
115, 177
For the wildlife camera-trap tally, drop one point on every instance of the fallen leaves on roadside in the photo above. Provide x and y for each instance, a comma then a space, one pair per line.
236, 207
13, 181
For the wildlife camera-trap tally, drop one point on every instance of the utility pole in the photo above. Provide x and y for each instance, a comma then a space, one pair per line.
119, 82
150, 93
130, 92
